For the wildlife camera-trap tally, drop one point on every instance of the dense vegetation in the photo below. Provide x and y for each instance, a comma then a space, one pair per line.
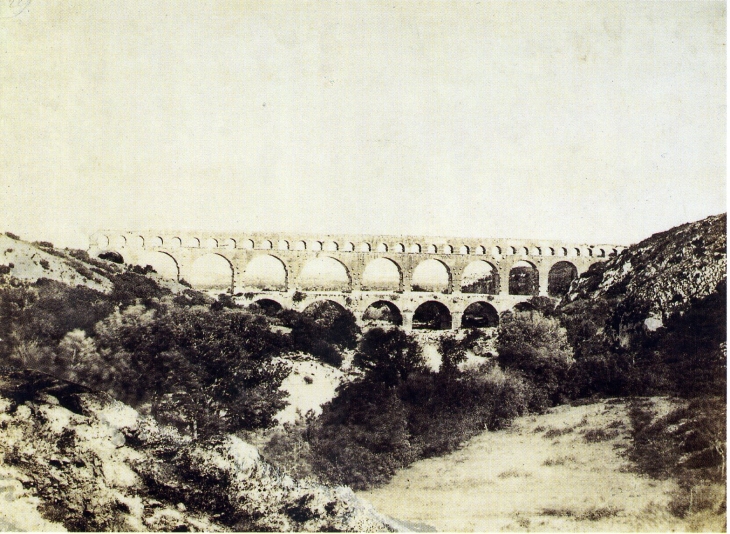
204, 365
209, 366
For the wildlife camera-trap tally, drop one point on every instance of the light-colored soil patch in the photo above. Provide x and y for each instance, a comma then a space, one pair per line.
562, 471
310, 384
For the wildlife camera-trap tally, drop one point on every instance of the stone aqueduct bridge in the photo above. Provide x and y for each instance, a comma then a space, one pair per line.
247, 266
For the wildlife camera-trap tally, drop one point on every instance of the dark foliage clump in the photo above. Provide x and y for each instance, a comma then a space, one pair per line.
689, 445
323, 332
400, 411
536, 347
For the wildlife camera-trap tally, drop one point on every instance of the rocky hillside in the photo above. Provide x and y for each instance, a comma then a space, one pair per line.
663, 274
74, 459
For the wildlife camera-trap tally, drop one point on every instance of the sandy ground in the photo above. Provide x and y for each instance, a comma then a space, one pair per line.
540, 475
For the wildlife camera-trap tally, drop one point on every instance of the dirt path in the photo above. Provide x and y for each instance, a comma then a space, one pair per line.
555, 472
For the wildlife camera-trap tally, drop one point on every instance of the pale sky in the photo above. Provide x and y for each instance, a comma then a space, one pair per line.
597, 122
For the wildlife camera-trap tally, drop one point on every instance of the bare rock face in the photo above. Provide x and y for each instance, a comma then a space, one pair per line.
78, 460
663, 274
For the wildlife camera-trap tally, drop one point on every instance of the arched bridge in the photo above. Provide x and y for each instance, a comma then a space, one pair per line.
459, 282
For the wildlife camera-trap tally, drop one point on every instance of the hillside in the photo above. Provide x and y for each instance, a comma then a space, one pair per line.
662, 275
75, 459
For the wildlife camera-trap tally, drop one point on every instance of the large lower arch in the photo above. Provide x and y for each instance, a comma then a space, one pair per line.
266, 306
431, 275
382, 312
163, 264
330, 315
524, 279
265, 272
212, 272
480, 277
480, 315
381, 274
432, 315
324, 274
560, 277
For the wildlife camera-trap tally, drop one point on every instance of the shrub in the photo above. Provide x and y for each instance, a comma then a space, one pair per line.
112, 256
12, 236
537, 347
389, 356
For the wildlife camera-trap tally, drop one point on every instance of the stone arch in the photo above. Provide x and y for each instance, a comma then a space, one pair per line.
211, 242
248, 244
138, 241
267, 306
560, 277
316, 246
399, 247
348, 247
550, 251
536, 251
163, 263
102, 241
562, 251
175, 242
432, 315
194, 242
480, 277
330, 246
119, 242
524, 279
212, 271
464, 249
447, 249
324, 274
266, 245
431, 275
524, 251
480, 314
156, 241
364, 247
601, 253
480, 250
265, 272
431, 249
283, 244
512, 251
575, 252
382, 274
300, 245
229, 243
382, 311
382, 247
415, 248
496, 251
325, 312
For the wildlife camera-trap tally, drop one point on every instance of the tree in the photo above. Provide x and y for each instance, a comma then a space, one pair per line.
537, 347
389, 355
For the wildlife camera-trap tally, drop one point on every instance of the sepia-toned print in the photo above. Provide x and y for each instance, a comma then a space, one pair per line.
408, 266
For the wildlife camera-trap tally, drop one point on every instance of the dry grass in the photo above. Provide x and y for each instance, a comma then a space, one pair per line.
517, 481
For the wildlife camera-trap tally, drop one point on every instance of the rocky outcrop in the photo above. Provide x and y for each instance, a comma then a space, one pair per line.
74, 459
663, 274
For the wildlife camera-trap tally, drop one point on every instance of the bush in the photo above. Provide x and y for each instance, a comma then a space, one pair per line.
389, 356
537, 347
112, 256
